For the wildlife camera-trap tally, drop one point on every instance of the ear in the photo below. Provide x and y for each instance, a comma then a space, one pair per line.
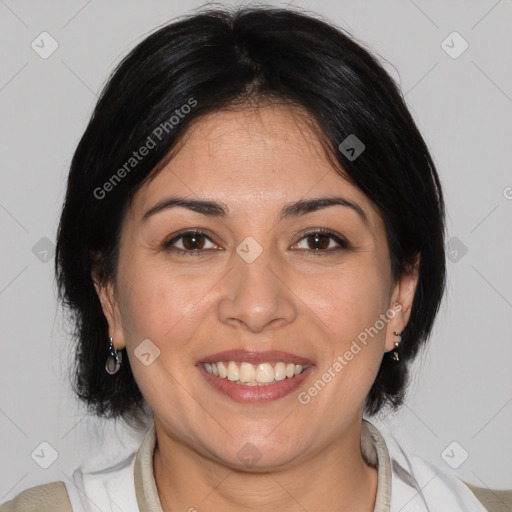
401, 300
109, 304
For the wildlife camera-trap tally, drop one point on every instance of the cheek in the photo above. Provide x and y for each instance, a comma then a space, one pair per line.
161, 304
166, 309
351, 306
348, 302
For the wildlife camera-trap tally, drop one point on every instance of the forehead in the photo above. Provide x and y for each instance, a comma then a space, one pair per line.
258, 155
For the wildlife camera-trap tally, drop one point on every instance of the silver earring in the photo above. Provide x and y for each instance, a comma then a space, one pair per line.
114, 359
395, 352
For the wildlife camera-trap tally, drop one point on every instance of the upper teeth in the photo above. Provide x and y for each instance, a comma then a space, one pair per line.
247, 373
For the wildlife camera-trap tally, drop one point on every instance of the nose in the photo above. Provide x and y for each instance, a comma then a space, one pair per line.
257, 295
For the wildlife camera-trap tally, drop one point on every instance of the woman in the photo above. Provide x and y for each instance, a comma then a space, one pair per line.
252, 246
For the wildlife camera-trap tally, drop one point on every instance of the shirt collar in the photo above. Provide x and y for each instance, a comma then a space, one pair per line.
373, 448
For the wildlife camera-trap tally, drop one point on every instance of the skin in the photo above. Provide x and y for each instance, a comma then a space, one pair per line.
254, 160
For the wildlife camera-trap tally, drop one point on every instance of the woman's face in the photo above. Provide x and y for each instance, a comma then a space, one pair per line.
262, 280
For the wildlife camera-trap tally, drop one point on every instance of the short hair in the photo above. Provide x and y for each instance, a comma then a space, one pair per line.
220, 58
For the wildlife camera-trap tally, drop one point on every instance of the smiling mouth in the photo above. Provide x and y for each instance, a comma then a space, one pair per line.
248, 374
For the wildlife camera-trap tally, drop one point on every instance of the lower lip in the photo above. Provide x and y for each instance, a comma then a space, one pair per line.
256, 394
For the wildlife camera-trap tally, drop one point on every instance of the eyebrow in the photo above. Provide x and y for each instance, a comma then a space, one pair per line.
290, 210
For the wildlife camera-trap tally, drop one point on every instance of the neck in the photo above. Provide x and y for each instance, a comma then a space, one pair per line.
337, 479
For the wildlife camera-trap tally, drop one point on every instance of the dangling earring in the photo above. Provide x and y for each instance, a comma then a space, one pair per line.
395, 352
114, 359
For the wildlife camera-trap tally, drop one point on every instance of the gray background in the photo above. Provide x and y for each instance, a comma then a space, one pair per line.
462, 386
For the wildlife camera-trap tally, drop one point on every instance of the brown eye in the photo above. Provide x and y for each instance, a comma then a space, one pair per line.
193, 241
322, 241
318, 241
189, 242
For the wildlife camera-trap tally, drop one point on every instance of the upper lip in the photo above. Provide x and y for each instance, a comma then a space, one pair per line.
256, 357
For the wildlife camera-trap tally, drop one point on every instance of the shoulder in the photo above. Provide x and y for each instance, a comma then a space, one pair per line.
418, 481
493, 500
40, 497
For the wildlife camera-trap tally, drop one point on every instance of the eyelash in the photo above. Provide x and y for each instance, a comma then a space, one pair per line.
342, 242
